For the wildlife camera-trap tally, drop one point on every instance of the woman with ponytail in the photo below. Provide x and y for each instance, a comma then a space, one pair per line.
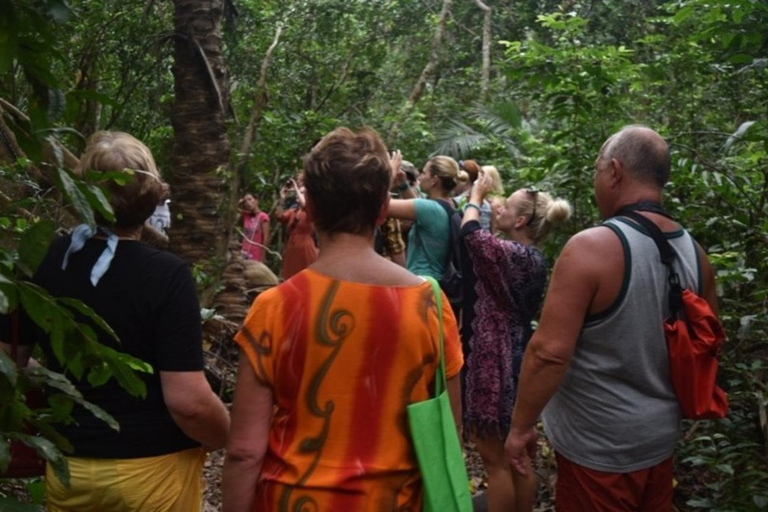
429, 236
511, 275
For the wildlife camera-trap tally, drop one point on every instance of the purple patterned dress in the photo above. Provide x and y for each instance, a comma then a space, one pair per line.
510, 287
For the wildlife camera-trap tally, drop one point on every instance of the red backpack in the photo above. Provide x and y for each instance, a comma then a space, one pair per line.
694, 334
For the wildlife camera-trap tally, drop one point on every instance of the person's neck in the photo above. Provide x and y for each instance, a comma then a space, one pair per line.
341, 245
519, 236
640, 196
438, 194
128, 233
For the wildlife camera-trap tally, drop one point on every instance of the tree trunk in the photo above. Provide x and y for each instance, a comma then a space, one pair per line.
202, 210
429, 69
486, 73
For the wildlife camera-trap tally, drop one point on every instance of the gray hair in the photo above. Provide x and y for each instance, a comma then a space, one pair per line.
643, 152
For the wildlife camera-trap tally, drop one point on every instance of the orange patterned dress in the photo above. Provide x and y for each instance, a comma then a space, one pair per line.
344, 360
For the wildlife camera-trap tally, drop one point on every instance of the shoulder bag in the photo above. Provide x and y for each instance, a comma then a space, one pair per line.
436, 441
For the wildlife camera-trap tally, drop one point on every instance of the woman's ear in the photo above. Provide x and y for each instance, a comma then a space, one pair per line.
383, 212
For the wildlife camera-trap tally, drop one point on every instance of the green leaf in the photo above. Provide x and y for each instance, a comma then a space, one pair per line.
8, 368
36, 490
34, 245
119, 177
49, 452
75, 196
84, 94
47, 431
101, 414
760, 501
89, 313
740, 58
97, 200
9, 40
60, 382
98, 375
123, 371
13, 505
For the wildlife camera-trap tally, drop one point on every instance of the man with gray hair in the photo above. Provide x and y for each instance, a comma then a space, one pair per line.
597, 365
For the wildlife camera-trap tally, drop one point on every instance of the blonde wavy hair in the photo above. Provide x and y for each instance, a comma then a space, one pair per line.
134, 201
547, 212
446, 169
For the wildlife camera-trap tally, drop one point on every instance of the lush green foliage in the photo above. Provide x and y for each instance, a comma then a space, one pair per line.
564, 76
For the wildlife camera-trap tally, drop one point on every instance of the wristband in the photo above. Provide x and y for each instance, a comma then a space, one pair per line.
473, 205
403, 187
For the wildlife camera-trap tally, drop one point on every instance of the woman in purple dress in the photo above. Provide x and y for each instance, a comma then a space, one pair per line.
511, 275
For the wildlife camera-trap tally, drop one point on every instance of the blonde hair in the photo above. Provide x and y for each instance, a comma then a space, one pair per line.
134, 201
547, 213
493, 172
446, 169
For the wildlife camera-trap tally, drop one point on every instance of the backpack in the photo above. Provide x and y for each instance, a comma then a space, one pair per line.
693, 332
451, 282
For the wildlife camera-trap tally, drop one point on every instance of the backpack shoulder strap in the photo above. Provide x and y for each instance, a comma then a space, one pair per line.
667, 257
453, 237
665, 250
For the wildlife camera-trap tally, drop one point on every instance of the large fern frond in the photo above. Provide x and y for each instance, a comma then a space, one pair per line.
458, 140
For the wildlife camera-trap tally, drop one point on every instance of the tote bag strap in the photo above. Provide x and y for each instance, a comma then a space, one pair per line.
440, 373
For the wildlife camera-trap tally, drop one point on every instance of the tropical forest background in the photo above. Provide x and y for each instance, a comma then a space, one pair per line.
228, 94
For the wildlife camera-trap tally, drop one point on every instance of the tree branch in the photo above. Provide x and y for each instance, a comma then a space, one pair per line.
486, 72
429, 69
260, 101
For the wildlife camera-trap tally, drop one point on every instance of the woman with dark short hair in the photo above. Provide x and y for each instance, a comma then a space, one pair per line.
331, 358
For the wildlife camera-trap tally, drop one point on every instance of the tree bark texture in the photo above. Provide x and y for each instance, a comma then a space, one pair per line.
200, 148
429, 70
486, 72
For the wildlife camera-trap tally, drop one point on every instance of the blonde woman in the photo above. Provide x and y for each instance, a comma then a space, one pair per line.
148, 297
429, 236
510, 286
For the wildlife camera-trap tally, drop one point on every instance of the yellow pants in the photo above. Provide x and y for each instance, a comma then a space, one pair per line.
166, 483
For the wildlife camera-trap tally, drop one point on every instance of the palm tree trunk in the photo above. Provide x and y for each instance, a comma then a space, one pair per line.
200, 178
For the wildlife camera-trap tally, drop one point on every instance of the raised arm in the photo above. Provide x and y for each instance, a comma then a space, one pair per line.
402, 209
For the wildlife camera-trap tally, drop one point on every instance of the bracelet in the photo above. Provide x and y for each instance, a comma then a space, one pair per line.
403, 187
473, 205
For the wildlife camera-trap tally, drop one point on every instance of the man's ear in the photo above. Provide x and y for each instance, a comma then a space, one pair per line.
617, 171
383, 212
